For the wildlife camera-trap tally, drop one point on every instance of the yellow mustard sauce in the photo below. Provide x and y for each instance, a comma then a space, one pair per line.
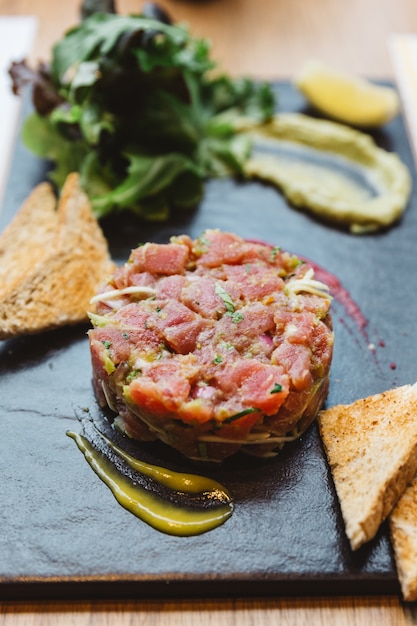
210, 509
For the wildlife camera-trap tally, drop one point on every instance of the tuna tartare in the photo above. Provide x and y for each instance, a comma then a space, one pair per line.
212, 345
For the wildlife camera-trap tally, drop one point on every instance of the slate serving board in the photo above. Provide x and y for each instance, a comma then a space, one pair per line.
62, 532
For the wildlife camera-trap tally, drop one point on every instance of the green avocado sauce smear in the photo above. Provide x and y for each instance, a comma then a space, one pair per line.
174, 503
334, 171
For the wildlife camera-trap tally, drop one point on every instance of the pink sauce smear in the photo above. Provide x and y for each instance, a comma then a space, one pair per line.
342, 296
337, 291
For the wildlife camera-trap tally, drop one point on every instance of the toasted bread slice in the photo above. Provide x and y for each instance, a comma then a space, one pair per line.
371, 446
28, 238
403, 527
58, 289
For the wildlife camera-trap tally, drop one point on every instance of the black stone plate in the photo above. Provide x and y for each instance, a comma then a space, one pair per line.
62, 532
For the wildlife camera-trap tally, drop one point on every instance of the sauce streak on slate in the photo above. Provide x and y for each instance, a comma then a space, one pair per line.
343, 297
171, 502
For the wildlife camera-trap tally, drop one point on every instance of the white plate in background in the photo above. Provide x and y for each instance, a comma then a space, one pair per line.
17, 35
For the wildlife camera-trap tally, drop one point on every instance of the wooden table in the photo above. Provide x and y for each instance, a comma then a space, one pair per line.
266, 39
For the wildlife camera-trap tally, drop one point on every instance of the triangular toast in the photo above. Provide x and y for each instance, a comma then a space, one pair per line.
57, 290
403, 527
27, 239
371, 446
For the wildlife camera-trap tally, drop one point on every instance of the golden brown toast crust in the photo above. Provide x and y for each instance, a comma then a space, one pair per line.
28, 238
403, 527
371, 446
56, 290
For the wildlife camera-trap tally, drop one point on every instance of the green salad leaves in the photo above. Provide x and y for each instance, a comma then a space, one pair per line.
135, 105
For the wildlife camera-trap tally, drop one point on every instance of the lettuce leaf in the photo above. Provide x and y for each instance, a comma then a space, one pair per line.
134, 104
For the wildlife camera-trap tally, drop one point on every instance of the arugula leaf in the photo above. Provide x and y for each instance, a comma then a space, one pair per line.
187, 190
147, 176
101, 35
131, 103
44, 139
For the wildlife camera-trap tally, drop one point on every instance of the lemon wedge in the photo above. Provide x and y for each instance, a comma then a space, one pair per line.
345, 97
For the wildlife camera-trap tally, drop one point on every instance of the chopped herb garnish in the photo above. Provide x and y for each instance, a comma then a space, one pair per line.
277, 388
222, 293
204, 240
106, 343
158, 309
133, 374
125, 335
217, 359
226, 345
228, 302
275, 250
237, 416
237, 317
